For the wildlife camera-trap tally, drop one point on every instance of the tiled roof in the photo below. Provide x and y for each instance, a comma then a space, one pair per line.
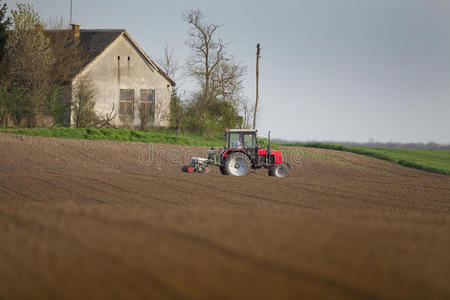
94, 41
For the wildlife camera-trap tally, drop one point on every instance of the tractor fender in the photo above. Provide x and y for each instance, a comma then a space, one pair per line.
278, 157
228, 151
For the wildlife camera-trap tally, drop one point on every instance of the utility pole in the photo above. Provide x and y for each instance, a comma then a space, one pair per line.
258, 55
70, 11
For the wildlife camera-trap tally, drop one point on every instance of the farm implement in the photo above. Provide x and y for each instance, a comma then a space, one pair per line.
240, 155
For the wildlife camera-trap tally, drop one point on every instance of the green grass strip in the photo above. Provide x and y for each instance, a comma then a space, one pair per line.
436, 161
158, 136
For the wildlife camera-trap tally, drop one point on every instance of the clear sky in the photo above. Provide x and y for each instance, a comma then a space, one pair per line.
343, 70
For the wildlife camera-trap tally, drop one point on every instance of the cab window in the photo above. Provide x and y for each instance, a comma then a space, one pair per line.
249, 141
234, 141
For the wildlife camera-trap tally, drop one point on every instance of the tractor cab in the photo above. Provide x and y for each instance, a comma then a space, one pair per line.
241, 139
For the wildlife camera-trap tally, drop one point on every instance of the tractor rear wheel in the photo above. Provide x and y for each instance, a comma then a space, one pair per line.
280, 170
238, 164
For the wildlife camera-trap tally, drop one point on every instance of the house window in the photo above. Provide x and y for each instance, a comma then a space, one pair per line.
126, 103
148, 103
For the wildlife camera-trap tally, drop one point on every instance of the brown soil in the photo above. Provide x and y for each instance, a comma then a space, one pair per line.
96, 219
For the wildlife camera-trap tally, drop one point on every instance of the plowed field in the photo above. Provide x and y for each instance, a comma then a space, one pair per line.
101, 220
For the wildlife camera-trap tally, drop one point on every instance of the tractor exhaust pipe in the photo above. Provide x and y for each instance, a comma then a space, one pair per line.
268, 143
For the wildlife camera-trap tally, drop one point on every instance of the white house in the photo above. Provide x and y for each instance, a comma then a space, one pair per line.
124, 77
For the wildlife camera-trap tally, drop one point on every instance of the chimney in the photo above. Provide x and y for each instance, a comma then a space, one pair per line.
76, 30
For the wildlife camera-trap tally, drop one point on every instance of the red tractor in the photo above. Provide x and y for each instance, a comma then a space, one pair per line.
240, 155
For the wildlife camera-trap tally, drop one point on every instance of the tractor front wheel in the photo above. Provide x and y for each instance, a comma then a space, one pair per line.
279, 170
237, 164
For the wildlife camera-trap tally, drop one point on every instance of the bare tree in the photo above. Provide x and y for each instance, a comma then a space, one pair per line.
208, 53
176, 111
107, 120
83, 105
69, 58
246, 109
218, 76
168, 63
227, 82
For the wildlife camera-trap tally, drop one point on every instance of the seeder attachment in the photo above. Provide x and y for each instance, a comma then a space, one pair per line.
198, 164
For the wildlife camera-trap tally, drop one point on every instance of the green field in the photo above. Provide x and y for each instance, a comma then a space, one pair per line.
437, 161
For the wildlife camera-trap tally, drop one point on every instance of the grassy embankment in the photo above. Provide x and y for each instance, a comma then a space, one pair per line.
157, 136
160, 136
436, 161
